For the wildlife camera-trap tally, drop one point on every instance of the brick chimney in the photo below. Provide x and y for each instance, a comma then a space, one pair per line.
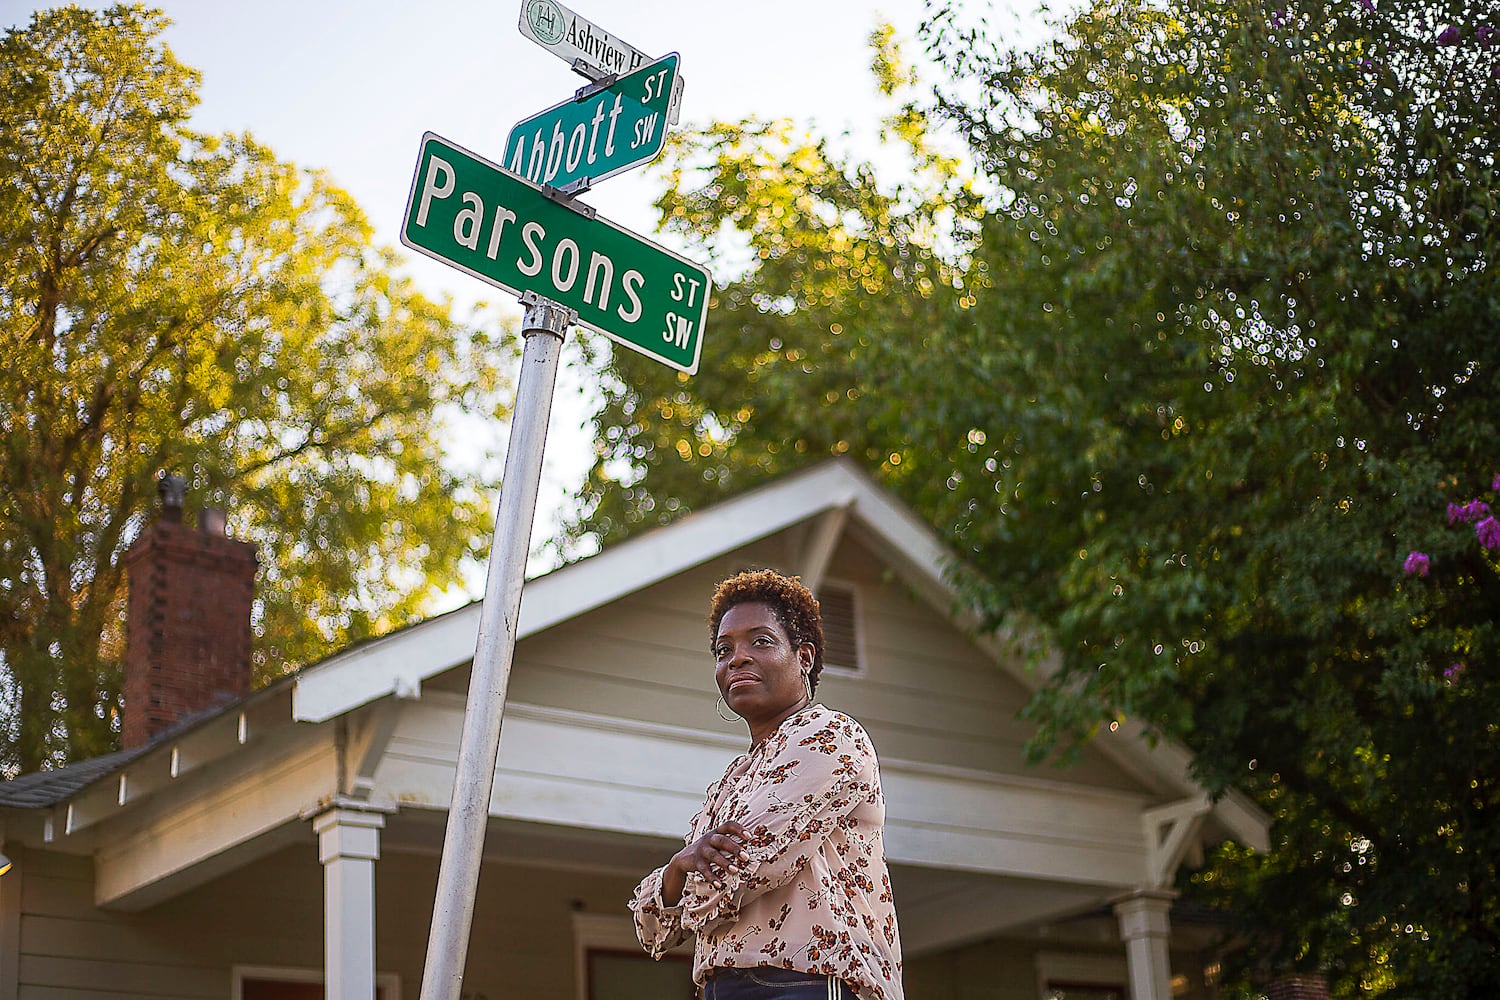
187, 639
1304, 986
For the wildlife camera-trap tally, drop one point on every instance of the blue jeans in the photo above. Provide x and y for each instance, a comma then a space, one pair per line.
765, 983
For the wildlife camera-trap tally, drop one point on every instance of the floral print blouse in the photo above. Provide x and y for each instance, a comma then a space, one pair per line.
815, 895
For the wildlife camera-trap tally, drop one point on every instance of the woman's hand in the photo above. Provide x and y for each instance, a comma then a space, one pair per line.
716, 853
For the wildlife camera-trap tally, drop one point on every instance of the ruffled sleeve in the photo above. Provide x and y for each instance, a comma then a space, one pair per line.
820, 770
658, 925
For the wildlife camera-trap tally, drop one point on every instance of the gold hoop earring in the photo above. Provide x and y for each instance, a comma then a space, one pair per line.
731, 717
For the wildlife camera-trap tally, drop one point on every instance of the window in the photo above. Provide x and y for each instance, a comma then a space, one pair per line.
1080, 991
273, 989
615, 975
1081, 976
838, 603
256, 982
610, 964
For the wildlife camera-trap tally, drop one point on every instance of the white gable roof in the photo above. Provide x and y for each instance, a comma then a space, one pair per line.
399, 663
837, 493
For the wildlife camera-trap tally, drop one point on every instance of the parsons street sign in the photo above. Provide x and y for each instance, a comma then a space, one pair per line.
598, 135
474, 215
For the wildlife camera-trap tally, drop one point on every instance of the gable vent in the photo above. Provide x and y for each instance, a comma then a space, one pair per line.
840, 626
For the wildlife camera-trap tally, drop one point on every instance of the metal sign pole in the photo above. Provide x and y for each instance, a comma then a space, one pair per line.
463, 845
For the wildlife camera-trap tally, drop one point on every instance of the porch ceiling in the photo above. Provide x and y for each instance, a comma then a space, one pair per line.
938, 908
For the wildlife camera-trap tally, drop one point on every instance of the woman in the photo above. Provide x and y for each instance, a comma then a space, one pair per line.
783, 878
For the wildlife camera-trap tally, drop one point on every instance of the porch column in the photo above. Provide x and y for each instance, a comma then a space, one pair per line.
1145, 928
348, 847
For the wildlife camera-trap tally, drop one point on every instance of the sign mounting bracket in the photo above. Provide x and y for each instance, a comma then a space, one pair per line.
589, 71
566, 195
602, 83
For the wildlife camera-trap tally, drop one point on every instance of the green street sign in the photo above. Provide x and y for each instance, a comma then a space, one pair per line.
500, 228
597, 134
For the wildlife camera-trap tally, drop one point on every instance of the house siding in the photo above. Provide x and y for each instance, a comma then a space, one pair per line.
926, 693
610, 738
271, 914
68, 948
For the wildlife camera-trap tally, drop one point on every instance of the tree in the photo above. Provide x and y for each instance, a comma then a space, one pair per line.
1268, 241
812, 344
178, 302
1222, 350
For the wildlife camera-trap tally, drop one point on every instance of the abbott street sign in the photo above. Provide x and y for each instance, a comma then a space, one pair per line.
470, 213
600, 135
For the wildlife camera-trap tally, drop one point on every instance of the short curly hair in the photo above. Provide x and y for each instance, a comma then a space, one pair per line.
794, 606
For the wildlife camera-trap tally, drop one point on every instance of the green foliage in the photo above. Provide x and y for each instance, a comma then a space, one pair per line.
180, 302
811, 348
1210, 360
1257, 252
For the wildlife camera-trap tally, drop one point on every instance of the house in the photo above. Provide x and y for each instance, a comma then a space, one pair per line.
290, 836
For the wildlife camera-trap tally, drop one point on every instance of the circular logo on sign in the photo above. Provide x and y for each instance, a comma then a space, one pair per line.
545, 19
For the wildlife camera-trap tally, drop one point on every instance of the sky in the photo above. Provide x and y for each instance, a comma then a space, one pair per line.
350, 87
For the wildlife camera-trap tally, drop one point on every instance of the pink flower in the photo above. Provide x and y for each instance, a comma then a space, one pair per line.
1488, 531
1449, 35
1416, 564
1468, 513
1368, 5
1451, 674
1486, 36
1496, 484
